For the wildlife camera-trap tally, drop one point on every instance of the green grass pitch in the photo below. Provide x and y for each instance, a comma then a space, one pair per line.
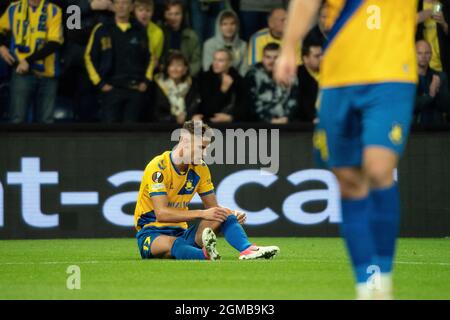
307, 268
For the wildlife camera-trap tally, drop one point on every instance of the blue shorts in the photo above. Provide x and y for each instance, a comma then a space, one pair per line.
147, 235
355, 117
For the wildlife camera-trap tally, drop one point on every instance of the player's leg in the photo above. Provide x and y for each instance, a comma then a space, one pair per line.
166, 243
338, 140
379, 164
236, 236
386, 130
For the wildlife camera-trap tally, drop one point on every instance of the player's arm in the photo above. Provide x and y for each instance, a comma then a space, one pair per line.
210, 201
301, 15
164, 213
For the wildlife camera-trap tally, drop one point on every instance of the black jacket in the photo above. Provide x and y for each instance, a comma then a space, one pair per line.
432, 110
444, 39
162, 104
308, 89
214, 100
118, 58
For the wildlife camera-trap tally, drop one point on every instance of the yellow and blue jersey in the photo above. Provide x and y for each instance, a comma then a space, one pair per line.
31, 28
257, 43
371, 41
161, 177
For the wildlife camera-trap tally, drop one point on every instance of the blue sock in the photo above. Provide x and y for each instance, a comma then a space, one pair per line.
235, 234
181, 250
355, 228
385, 221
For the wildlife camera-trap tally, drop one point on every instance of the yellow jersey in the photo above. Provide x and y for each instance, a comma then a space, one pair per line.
431, 35
161, 177
257, 43
31, 28
370, 41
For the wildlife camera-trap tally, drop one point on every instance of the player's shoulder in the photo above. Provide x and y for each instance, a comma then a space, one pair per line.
202, 168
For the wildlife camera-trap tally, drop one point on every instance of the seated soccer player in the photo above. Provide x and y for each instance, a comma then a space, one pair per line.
169, 183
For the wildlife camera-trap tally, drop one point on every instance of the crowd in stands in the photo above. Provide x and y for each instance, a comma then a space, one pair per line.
166, 61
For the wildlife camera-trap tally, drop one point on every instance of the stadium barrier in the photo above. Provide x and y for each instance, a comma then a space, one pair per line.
81, 181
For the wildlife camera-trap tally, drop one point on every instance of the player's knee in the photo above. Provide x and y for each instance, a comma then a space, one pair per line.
379, 175
352, 184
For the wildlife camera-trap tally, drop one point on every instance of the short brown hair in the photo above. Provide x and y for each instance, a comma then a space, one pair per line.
175, 55
144, 3
191, 126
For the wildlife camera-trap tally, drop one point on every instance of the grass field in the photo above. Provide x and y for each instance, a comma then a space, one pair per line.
307, 268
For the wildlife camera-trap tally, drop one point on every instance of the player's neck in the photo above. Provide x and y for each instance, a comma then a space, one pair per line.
34, 3
177, 161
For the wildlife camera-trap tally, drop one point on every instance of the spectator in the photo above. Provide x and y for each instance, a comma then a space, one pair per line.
36, 41
175, 92
227, 36
433, 27
203, 16
143, 11
270, 102
433, 96
118, 61
308, 81
253, 14
319, 34
75, 88
221, 90
179, 37
272, 34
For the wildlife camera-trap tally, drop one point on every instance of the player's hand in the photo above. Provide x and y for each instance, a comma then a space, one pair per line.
6, 55
435, 86
107, 88
23, 67
215, 214
241, 217
285, 68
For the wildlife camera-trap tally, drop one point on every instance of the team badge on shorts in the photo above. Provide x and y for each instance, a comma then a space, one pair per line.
396, 134
157, 177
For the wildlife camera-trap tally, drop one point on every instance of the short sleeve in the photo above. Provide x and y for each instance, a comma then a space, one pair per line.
156, 179
206, 186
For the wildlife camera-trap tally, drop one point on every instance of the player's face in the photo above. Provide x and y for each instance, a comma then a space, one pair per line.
177, 70
221, 62
198, 148
143, 14
277, 22
269, 59
174, 17
228, 28
312, 61
423, 54
123, 8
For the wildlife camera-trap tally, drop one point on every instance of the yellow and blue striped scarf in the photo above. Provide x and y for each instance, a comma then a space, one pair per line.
23, 36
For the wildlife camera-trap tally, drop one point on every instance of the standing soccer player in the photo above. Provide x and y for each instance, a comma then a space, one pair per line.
368, 79
169, 183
